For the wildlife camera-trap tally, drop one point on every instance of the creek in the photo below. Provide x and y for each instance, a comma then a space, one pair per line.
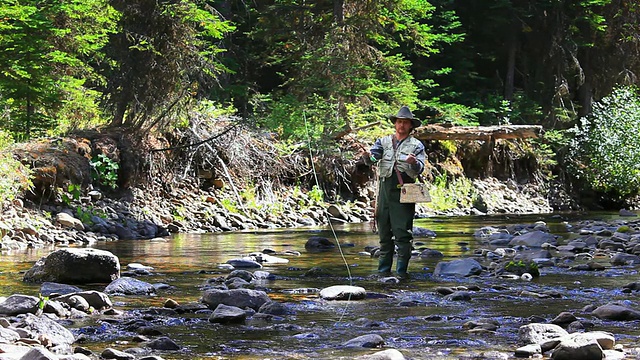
409, 315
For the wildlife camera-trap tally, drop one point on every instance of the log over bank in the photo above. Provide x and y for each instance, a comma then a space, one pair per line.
484, 133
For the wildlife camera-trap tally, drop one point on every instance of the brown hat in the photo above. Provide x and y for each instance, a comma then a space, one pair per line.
405, 113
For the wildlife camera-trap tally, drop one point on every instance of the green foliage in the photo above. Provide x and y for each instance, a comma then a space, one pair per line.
296, 121
16, 177
80, 108
42, 301
449, 146
72, 194
316, 195
605, 150
45, 47
105, 170
86, 214
230, 205
448, 195
164, 54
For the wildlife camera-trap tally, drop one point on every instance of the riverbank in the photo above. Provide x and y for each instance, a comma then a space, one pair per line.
148, 213
99, 186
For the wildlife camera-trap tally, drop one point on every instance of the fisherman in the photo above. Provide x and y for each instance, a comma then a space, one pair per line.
400, 159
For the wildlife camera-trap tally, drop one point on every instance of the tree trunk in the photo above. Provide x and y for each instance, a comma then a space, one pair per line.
585, 91
338, 11
511, 64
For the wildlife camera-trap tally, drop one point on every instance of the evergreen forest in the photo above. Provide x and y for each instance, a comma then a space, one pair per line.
303, 69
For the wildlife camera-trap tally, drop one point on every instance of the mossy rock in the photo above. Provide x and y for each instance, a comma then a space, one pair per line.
520, 267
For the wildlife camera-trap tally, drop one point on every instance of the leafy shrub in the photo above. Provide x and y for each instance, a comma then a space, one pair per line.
105, 171
605, 150
15, 176
448, 195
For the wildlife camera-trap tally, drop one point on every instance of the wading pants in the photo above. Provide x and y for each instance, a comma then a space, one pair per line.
395, 222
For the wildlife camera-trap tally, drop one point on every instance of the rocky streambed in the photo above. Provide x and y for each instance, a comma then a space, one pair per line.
509, 290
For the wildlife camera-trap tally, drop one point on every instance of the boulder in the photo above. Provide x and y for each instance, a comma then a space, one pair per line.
96, 299
43, 326
577, 346
19, 304
129, 286
461, 267
537, 333
225, 314
242, 298
318, 243
534, 239
75, 266
365, 341
343, 292
389, 354
616, 312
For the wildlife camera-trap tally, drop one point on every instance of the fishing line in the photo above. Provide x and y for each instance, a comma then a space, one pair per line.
335, 236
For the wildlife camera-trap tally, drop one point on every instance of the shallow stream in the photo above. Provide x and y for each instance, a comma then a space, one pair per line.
411, 318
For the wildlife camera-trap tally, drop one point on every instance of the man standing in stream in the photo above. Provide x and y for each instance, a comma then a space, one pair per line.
400, 159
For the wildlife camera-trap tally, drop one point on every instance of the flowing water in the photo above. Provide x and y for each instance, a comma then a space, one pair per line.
410, 316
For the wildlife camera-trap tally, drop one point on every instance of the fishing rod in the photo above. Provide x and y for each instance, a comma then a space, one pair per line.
335, 236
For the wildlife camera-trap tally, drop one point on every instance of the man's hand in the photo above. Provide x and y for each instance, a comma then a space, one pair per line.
411, 159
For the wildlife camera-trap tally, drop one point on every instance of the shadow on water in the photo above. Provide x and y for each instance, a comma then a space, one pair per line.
410, 316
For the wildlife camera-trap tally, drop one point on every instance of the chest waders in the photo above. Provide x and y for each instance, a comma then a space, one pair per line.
395, 222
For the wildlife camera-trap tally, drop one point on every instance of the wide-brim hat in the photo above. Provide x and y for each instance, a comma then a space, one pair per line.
405, 113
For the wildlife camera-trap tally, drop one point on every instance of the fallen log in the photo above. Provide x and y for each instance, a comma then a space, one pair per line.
485, 133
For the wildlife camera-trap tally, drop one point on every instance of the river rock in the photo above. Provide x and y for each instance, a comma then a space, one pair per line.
460, 267
8, 336
528, 351
75, 266
343, 292
625, 259
50, 288
422, 232
129, 286
226, 314
42, 326
79, 303
19, 304
537, 333
274, 308
389, 354
96, 299
266, 258
564, 318
110, 353
242, 298
578, 346
163, 343
616, 312
318, 243
534, 239
459, 296
39, 353
633, 286
242, 274
69, 221
500, 239
430, 254
365, 341
244, 263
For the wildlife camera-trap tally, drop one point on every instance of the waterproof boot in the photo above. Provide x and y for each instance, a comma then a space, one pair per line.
401, 268
384, 263
404, 254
